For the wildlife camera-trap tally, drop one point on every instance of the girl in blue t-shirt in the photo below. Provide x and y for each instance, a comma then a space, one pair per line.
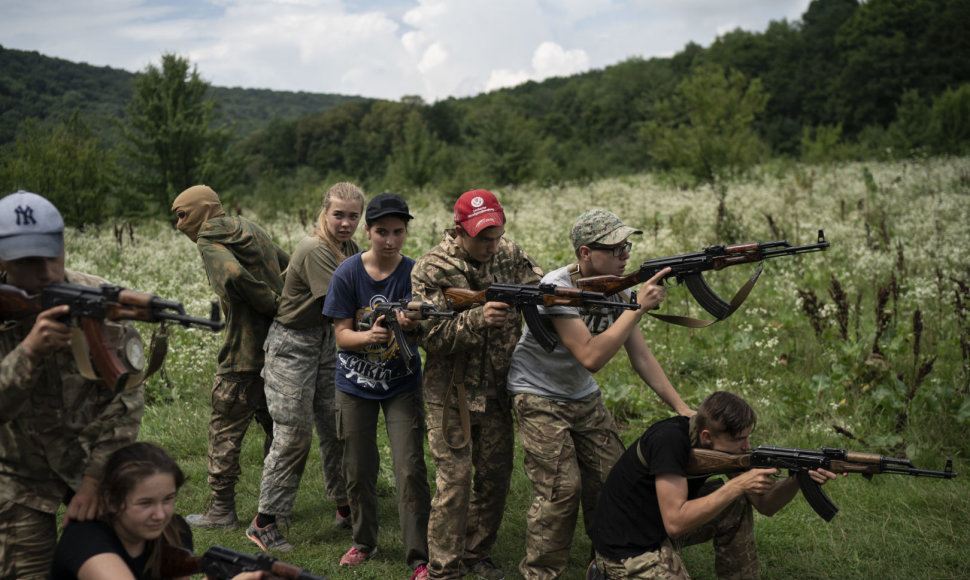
372, 377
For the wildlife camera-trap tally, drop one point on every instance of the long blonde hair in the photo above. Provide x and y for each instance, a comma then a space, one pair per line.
343, 191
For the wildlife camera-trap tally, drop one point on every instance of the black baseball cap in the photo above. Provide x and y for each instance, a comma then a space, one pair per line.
386, 204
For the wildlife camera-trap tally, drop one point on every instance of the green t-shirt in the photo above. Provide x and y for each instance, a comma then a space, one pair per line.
311, 267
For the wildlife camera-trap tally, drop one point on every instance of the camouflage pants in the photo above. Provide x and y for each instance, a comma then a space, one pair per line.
357, 428
472, 484
27, 541
570, 447
735, 551
299, 374
236, 399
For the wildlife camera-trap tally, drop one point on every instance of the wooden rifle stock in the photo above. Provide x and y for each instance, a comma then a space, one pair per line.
610, 284
463, 298
179, 562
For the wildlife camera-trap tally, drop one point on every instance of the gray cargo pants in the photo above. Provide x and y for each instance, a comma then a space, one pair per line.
299, 374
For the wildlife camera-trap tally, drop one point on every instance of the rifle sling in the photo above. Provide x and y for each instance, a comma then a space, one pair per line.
640, 456
82, 356
458, 384
736, 302
157, 350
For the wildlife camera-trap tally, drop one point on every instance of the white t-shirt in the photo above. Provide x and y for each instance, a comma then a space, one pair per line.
557, 374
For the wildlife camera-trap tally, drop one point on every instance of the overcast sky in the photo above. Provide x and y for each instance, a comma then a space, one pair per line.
377, 48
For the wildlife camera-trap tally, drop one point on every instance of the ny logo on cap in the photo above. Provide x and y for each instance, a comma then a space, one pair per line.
25, 216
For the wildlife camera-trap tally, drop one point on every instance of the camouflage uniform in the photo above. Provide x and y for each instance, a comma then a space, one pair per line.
466, 514
55, 427
301, 360
569, 448
244, 268
569, 438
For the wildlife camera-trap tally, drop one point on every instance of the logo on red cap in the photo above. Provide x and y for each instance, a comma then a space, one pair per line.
478, 209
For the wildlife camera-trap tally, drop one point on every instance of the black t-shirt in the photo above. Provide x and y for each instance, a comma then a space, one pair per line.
628, 520
82, 541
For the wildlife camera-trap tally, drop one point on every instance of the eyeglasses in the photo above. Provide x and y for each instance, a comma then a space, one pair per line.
617, 251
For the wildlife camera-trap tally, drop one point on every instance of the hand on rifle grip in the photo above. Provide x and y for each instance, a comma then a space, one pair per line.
653, 292
496, 313
50, 333
378, 332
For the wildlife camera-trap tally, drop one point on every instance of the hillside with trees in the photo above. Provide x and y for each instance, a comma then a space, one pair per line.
40, 87
849, 80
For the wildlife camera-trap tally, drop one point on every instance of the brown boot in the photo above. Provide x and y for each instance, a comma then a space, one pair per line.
221, 513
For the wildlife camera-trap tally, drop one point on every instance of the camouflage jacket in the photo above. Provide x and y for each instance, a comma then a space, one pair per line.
245, 268
484, 352
55, 425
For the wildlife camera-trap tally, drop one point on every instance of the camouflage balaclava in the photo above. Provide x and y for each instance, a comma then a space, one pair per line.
199, 203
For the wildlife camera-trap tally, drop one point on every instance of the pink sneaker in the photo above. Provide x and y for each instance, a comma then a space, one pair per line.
420, 573
355, 557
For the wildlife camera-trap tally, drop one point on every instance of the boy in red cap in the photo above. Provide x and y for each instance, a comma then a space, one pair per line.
469, 421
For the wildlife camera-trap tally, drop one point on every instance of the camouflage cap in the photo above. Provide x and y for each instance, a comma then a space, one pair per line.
601, 227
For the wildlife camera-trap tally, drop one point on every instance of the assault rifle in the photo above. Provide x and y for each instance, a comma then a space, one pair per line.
412, 310
220, 563
528, 298
90, 306
689, 269
800, 461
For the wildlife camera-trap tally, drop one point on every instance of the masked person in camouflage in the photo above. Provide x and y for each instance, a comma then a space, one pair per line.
569, 437
649, 508
57, 428
301, 360
244, 268
469, 419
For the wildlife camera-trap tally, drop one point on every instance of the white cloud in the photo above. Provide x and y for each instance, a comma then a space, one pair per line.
551, 60
434, 56
548, 60
377, 48
500, 79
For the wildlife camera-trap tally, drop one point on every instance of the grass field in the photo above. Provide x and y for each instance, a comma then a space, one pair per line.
865, 347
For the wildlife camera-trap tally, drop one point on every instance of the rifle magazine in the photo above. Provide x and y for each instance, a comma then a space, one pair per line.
815, 497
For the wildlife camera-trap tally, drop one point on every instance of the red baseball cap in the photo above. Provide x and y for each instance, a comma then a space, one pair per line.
478, 209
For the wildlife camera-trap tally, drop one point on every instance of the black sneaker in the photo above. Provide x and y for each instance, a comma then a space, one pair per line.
269, 538
341, 522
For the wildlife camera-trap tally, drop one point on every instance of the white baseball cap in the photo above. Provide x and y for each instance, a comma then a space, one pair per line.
30, 226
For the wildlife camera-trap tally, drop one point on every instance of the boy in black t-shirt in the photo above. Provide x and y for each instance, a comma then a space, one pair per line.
649, 506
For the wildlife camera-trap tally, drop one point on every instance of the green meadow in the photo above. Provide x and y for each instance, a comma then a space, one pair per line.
864, 347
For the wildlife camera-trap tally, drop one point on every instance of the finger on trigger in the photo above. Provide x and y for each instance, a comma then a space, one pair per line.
659, 276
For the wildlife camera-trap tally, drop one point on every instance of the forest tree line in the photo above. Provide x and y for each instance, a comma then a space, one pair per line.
848, 80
